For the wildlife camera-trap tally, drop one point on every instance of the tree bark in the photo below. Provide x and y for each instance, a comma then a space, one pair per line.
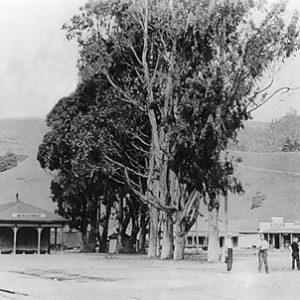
85, 241
168, 240
119, 246
153, 232
179, 240
133, 236
103, 237
142, 237
213, 241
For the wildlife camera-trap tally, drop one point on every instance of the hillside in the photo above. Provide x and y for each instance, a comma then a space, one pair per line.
22, 137
275, 175
254, 137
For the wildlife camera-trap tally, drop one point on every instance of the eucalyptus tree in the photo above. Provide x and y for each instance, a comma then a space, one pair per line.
194, 70
83, 130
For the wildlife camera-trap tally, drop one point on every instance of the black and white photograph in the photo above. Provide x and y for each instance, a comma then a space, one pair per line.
149, 149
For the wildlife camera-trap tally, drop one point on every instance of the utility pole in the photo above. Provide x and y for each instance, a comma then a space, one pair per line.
226, 212
197, 235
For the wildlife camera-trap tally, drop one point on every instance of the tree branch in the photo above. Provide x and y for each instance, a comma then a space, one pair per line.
126, 97
145, 199
141, 140
283, 90
125, 168
139, 149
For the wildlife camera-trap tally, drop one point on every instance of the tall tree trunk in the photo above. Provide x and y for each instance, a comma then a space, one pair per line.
213, 241
153, 231
133, 241
103, 237
85, 238
133, 236
142, 237
85, 235
119, 246
84, 242
179, 239
168, 239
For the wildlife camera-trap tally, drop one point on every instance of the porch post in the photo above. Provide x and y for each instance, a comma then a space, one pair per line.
39, 229
15, 239
280, 241
55, 237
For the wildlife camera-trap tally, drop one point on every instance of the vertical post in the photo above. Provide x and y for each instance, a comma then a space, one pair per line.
268, 237
226, 213
39, 230
280, 241
15, 239
49, 241
197, 235
55, 238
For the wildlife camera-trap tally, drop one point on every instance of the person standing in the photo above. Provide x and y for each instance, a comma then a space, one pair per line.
295, 253
229, 252
263, 247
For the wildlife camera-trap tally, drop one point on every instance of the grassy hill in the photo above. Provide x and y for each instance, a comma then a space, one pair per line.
22, 137
275, 175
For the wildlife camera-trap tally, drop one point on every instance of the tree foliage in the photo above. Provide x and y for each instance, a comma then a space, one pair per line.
169, 83
86, 127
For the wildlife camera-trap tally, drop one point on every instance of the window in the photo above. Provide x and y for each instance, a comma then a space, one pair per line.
235, 241
190, 240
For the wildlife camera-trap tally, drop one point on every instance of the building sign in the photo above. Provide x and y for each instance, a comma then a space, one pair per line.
29, 215
277, 225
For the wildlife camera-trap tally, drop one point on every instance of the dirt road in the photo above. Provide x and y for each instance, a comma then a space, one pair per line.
96, 276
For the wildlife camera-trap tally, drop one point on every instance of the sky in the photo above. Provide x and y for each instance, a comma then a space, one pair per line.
38, 64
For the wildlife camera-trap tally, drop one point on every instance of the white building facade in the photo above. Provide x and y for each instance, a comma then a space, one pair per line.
279, 232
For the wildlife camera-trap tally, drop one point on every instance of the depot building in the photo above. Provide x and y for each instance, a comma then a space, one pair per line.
26, 229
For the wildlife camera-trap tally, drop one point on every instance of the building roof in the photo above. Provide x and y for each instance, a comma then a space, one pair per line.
21, 212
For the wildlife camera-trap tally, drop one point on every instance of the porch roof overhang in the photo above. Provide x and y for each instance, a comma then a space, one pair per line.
31, 224
22, 214
286, 231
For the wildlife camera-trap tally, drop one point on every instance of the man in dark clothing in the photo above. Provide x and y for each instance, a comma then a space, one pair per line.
229, 252
295, 254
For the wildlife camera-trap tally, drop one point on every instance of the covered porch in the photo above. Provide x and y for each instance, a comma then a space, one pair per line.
280, 240
26, 229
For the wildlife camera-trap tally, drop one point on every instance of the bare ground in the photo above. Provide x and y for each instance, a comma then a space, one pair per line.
97, 276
